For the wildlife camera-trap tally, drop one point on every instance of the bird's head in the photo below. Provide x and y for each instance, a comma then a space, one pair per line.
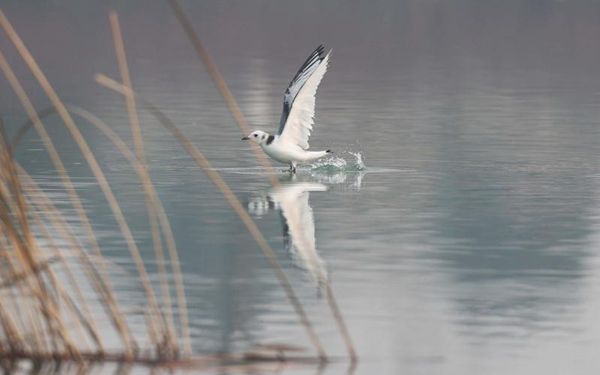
257, 136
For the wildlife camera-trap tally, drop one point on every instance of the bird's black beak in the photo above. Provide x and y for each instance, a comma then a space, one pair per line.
245, 139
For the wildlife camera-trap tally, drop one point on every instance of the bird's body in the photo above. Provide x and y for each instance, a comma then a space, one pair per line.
290, 144
287, 153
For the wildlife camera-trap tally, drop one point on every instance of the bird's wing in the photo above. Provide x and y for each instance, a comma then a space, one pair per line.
299, 99
299, 226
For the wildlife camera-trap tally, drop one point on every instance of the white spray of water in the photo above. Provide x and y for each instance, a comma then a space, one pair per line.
359, 164
339, 164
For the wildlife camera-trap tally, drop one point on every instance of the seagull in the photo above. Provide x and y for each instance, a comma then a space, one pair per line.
290, 144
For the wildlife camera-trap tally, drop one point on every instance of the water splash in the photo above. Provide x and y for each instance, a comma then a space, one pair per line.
358, 163
335, 164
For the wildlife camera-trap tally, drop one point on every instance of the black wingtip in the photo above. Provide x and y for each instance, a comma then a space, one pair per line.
313, 59
321, 51
318, 53
329, 151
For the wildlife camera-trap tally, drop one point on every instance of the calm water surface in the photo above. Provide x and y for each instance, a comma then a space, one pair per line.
468, 245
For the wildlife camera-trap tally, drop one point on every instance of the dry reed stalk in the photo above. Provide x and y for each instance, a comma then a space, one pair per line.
8, 261
69, 301
221, 85
23, 282
84, 318
9, 326
142, 175
13, 278
63, 230
235, 204
154, 311
85, 356
212, 69
101, 281
46, 264
10, 330
339, 319
27, 252
149, 199
35, 338
35, 285
162, 216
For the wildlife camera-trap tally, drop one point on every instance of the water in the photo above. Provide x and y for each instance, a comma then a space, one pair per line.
458, 221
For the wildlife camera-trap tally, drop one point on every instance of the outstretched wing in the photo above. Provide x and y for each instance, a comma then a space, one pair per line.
299, 99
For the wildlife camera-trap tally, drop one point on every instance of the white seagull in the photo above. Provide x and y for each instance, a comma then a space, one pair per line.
290, 144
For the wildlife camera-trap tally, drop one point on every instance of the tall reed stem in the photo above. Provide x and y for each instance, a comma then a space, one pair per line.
149, 198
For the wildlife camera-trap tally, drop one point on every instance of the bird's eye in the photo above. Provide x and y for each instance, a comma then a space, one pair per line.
255, 136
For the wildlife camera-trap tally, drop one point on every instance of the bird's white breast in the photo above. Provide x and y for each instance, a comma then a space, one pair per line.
283, 152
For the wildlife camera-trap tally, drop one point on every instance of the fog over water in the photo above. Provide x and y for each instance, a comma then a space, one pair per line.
467, 245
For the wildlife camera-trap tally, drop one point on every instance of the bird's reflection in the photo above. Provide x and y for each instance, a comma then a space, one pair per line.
299, 226
291, 199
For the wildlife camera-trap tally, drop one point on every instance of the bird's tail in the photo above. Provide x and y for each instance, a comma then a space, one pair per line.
313, 155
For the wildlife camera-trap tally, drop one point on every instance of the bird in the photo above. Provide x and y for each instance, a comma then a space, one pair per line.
290, 144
